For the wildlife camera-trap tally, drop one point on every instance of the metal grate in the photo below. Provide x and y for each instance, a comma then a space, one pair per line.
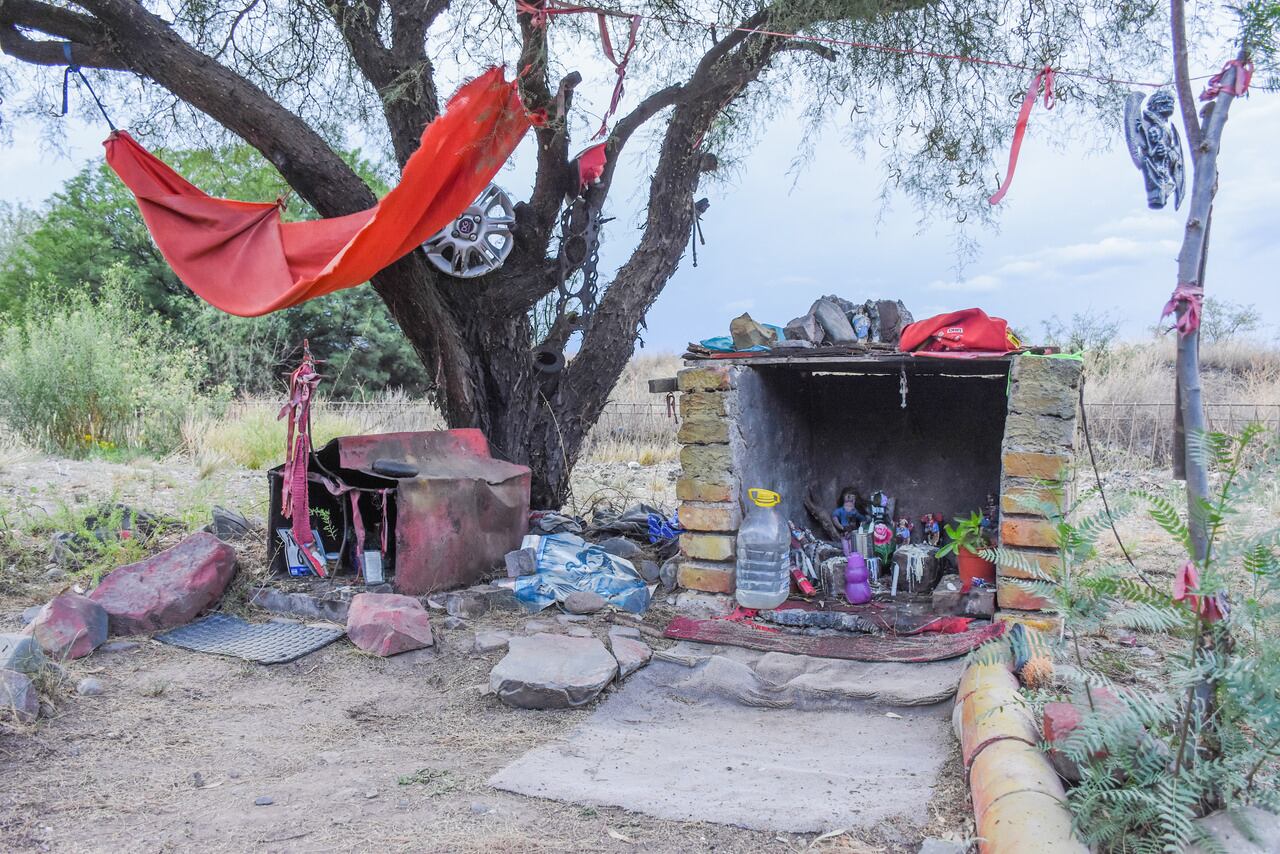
265, 643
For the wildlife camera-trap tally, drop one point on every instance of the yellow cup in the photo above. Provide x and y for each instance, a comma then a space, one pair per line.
764, 498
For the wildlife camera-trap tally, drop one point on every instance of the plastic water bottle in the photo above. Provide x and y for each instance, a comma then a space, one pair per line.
764, 551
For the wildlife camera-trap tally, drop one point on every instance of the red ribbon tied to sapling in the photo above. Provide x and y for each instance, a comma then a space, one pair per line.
1192, 295
1186, 588
1043, 77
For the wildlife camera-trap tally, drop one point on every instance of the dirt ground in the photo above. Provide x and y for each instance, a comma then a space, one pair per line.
355, 753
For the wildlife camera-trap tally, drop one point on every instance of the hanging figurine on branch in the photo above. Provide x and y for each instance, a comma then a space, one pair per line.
1155, 146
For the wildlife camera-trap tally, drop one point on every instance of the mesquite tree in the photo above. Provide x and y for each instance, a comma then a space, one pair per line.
290, 76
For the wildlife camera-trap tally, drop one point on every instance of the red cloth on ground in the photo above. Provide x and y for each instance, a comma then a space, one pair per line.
241, 258
967, 329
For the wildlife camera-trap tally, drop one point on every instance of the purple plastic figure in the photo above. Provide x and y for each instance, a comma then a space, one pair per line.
857, 589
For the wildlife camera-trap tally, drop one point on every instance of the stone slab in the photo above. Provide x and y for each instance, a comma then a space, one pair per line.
718, 763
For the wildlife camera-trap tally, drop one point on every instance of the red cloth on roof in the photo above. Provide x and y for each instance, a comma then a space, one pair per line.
241, 258
967, 329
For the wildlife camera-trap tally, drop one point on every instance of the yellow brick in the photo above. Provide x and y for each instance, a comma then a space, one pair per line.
1045, 622
714, 378
703, 430
707, 577
1011, 594
1029, 501
1047, 562
707, 516
707, 546
1034, 465
1028, 531
695, 404
697, 489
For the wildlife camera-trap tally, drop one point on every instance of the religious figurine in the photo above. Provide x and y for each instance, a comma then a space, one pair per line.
903, 532
931, 529
849, 516
990, 519
1155, 147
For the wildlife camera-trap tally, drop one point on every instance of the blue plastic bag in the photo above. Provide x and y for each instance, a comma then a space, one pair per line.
566, 563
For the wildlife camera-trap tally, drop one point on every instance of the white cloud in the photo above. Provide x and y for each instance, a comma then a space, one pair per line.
974, 284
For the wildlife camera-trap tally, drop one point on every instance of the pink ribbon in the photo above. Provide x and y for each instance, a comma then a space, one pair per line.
1239, 85
1186, 586
1192, 295
1045, 76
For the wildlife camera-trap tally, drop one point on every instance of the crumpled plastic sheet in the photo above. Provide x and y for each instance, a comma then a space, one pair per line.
551, 522
637, 522
566, 563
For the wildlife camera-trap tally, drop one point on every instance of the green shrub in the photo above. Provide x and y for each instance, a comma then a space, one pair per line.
97, 374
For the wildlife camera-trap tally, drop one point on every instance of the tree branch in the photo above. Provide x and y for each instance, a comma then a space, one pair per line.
1182, 77
91, 47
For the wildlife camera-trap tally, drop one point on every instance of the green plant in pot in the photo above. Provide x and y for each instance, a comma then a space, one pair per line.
967, 539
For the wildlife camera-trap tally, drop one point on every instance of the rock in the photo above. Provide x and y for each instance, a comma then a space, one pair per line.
697, 604
263, 801
55, 575
649, 571
388, 623
489, 641
500, 596
835, 325
20, 653
90, 687
168, 589
630, 652
18, 696
942, 846
118, 646
229, 526
625, 631
29, 614
805, 328
669, 571
1247, 830
746, 333
478, 808
451, 622
583, 602
579, 632
521, 562
70, 626
621, 547
552, 672
468, 604
532, 627
570, 619
370, 794
302, 605
794, 345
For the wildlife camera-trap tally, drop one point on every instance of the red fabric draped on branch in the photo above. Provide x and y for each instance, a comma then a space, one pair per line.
240, 256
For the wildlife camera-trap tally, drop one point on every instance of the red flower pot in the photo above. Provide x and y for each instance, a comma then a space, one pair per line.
974, 566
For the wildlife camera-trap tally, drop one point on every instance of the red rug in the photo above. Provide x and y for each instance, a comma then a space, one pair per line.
916, 648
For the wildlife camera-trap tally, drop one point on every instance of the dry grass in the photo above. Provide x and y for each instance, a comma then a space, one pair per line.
1233, 372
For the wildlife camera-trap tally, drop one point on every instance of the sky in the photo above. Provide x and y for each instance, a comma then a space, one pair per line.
1072, 235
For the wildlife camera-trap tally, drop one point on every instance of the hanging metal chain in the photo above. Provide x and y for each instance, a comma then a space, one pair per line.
579, 252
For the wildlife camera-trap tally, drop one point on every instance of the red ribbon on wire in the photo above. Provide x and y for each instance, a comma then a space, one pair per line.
540, 14
1193, 296
1239, 84
1045, 76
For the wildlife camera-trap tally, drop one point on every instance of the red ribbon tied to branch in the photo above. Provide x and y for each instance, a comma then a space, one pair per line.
1239, 83
1045, 77
1186, 588
1193, 296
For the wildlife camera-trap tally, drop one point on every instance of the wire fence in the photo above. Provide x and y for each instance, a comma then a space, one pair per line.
1133, 435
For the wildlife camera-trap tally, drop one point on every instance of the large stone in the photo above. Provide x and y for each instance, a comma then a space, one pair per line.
704, 430
705, 576
467, 604
805, 328
631, 652
388, 623
621, 547
710, 516
712, 463
168, 589
70, 626
1039, 432
696, 489
747, 333
1246, 830
703, 404
491, 641
702, 604
552, 672
705, 379
1045, 386
949, 600
18, 696
835, 325
20, 653
708, 546
584, 602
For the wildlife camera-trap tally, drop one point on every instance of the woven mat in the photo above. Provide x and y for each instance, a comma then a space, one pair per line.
265, 643
916, 648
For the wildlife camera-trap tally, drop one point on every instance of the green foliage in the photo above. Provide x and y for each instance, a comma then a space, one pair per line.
1154, 762
1223, 320
91, 229
967, 533
98, 374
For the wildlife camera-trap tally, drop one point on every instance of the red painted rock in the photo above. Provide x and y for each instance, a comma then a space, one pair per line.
70, 626
169, 589
388, 623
